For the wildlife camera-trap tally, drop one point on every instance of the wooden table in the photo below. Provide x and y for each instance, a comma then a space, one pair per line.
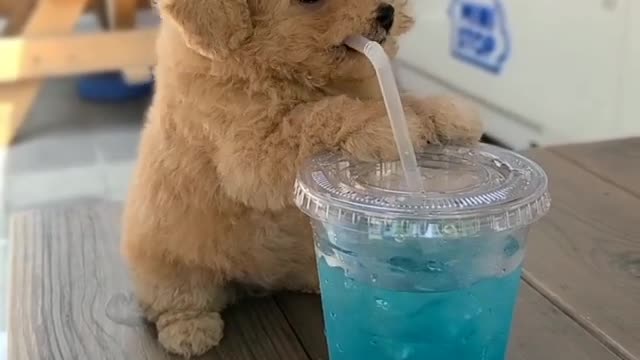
70, 295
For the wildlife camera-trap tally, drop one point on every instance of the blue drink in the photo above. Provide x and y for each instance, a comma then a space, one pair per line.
430, 276
366, 322
418, 303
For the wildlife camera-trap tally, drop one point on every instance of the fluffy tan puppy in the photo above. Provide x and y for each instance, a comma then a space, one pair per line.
247, 90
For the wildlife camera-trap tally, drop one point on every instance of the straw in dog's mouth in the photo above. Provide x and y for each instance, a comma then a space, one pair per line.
378, 36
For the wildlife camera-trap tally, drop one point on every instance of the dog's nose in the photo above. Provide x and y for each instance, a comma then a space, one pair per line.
386, 15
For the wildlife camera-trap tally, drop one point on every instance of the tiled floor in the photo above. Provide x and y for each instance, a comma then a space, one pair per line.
71, 149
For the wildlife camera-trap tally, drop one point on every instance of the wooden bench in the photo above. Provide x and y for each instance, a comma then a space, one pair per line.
40, 43
70, 296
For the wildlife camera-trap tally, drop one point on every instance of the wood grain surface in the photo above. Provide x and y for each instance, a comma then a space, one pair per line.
304, 313
542, 332
71, 298
615, 161
585, 255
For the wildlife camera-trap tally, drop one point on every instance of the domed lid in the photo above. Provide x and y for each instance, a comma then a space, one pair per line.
466, 191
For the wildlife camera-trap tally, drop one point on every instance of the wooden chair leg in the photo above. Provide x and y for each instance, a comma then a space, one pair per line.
102, 12
125, 13
118, 14
48, 16
18, 16
124, 18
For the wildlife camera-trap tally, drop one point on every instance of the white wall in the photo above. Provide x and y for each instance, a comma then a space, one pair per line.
572, 74
631, 75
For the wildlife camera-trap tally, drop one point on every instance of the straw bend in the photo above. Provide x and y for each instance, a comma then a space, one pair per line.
382, 65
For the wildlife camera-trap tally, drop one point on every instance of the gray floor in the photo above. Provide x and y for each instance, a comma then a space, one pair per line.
71, 149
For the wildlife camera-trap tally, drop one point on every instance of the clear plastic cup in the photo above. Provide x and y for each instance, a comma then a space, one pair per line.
431, 276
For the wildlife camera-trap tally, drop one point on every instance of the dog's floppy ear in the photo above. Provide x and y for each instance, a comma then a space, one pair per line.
213, 28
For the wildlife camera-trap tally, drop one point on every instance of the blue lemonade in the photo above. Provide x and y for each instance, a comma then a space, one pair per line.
368, 322
431, 275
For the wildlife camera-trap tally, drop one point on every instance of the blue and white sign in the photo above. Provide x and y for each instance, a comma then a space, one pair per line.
480, 34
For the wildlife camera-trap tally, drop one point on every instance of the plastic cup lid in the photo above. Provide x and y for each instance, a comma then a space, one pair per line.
468, 191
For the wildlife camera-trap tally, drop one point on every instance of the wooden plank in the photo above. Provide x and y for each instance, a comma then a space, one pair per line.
7, 6
102, 13
585, 255
616, 161
304, 313
71, 298
15, 101
17, 16
541, 331
50, 17
123, 17
124, 13
32, 58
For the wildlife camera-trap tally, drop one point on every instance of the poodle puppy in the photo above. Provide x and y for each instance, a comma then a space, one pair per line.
247, 90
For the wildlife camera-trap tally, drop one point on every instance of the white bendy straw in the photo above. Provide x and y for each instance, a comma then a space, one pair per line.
382, 65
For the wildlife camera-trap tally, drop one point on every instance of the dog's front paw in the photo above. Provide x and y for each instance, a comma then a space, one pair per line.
190, 334
375, 141
454, 121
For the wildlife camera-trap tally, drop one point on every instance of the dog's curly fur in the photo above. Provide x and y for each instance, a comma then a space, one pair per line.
246, 90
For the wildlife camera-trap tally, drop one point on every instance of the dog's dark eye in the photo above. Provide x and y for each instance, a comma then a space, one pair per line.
309, 2
312, 4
